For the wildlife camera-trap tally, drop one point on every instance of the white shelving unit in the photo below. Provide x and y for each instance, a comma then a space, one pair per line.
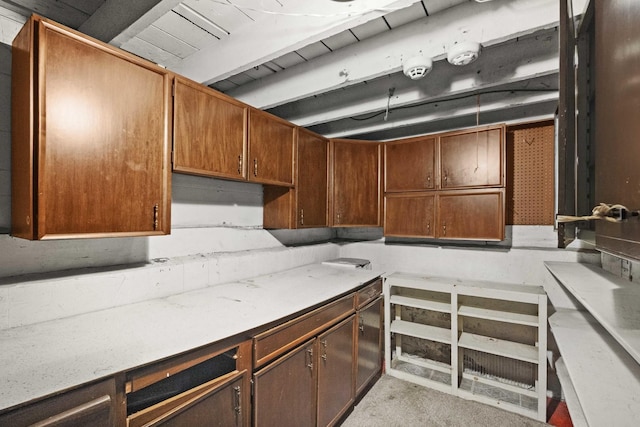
477, 340
599, 369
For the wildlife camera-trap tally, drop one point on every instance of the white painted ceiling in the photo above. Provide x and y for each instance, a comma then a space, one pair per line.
335, 66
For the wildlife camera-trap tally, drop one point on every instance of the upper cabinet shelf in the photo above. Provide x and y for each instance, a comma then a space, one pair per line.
91, 132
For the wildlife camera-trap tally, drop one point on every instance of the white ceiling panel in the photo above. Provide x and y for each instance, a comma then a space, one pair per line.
240, 79
223, 14
259, 71
369, 29
288, 60
199, 20
152, 53
165, 41
340, 40
224, 85
406, 15
313, 50
434, 6
179, 27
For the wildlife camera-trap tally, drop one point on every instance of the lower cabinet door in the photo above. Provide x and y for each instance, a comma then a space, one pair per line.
284, 390
335, 371
369, 339
216, 403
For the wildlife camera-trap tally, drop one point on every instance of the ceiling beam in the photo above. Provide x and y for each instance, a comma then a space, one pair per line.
115, 16
279, 32
499, 99
512, 115
514, 61
152, 15
488, 23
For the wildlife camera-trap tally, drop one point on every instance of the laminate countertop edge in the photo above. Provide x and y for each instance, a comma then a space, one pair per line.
45, 358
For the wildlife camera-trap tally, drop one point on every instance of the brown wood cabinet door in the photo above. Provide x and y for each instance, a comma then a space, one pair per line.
410, 164
103, 152
355, 187
472, 215
306, 204
271, 149
410, 215
93, 405
472, 158
335, 352
215, 404
369, 344
285, 390
209, 132
312, 180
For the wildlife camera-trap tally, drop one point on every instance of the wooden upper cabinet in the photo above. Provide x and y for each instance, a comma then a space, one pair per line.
471, 215
90, 138
410, 164
472, 158
410, 215
210, 132
355, 183
271, 149
304, 206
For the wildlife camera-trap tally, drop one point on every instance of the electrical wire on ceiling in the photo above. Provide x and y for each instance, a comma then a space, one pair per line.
347, 13
387, 110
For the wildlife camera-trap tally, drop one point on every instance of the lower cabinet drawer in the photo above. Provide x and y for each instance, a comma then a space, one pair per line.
282, 338
219, 401
369, 293
92, 405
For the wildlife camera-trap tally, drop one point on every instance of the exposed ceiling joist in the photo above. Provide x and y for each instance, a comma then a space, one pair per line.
487, 23
114, 16
276, 33
534, 56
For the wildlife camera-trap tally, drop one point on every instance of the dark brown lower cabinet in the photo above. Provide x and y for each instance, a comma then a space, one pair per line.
207, 387
335, 372
369, 344
216, 403
285, 390
92, 405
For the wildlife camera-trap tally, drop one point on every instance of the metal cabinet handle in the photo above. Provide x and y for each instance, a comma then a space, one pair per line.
429, 181
361, 327
301, 216
444, 228
338, 218
240, 165
237, 406
310, 353
324, 350
156, 214
255, 167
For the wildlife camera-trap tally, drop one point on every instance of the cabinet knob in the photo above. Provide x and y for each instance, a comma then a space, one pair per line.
428, 227
444, 228
429, 181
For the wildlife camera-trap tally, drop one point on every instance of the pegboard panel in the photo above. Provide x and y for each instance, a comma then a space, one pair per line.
530, 174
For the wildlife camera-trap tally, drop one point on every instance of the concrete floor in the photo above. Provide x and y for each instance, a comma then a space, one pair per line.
396, 403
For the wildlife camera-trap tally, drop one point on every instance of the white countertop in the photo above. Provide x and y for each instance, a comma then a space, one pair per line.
45, 358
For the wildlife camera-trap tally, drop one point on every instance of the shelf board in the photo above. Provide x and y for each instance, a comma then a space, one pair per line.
501, 316
604, 376
417, 330
420, 303
513, 350
612, 300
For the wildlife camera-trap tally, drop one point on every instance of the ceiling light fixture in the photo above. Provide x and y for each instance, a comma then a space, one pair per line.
417, 67
464, 53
